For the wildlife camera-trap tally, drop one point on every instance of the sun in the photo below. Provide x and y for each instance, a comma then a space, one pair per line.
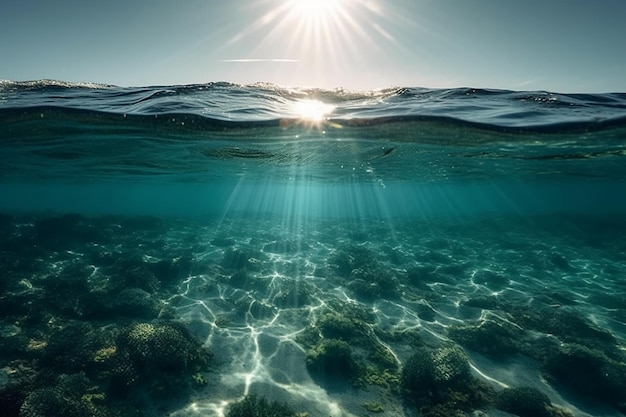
312, 110
320, 40
314, 10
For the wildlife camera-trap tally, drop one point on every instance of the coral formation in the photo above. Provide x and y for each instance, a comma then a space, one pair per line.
160, 350
438, 381
253, 406
492, 337
524, 402
71, 396
293, 294
332, 358
589, 373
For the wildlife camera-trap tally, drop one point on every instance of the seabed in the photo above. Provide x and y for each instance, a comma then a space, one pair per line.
140, 315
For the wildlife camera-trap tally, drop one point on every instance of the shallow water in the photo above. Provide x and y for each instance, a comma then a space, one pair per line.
489, 220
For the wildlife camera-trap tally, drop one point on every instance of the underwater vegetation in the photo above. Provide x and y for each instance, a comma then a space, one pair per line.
254, 406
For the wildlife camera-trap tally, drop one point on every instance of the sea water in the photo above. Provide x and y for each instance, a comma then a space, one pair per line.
275, 225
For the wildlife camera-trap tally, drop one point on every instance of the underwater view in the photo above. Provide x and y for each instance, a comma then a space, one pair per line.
228, 250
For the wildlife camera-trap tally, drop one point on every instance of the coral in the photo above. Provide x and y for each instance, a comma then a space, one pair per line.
373, 407
172, 271
160, 347
338, 326
329, 341
131, 271
134, 303
524, 402
73, 348
348, 258
71, 396
382, 357
11, 399
372, 283
384, 378
293, 294
162, 356
253, 406
439, 381
105, 354
494, 338
565, 323
450, 365
590, 373
332, 358
67, 288
199, 379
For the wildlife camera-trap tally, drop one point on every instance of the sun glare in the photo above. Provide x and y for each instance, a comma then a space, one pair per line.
313, 110
325, 39
314, 9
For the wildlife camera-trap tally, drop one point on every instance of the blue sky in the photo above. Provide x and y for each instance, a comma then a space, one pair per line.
556, 45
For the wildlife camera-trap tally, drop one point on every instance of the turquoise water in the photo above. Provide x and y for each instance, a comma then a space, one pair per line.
482, 229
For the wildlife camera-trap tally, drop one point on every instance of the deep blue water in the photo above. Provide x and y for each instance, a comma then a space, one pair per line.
514, 197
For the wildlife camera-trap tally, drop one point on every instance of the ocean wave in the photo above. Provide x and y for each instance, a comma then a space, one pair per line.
266, 102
